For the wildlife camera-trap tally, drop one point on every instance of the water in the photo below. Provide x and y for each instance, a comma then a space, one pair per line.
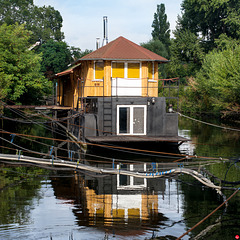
43, 204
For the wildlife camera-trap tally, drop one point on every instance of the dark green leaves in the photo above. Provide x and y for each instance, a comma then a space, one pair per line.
19, 67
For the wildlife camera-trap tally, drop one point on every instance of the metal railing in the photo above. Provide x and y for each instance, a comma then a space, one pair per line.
120, 87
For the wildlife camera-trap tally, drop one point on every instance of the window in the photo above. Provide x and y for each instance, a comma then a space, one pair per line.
126, 79
99, 70
131, 119
126, 70
133, 70
130, 182
118, 69
150, 70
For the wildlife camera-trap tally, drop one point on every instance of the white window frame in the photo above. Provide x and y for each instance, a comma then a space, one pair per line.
140, 69
131, 185
126, 67
119, 62
125, 90
152, 79
131, 120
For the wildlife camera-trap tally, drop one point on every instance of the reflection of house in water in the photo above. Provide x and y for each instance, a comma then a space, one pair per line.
187, 147
116, 202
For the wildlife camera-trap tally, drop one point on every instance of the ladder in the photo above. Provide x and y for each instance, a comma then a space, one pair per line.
107, 116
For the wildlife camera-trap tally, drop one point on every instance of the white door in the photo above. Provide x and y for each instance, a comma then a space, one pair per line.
131, 119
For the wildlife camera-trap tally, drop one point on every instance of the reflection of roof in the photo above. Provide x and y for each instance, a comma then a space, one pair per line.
123, 49
68, 71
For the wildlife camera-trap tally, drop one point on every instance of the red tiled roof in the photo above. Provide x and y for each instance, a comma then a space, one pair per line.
123, 49
64, 72
68, 71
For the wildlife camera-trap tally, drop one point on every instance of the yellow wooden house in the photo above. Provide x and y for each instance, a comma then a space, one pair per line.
116, 90
120, 68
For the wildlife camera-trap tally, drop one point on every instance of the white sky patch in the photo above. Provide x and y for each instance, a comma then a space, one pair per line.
132, 19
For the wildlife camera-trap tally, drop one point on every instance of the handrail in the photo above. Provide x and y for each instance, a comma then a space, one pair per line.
167, 88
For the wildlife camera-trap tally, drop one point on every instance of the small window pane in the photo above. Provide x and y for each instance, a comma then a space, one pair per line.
123, 179
124, 120
118, 70
133, 70
150, 70
138, 120
99, 70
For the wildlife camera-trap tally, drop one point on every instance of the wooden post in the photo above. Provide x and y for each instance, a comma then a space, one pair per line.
107, 79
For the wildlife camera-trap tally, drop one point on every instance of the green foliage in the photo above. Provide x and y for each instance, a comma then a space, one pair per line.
19, 185
211, 18
75, 53
84, 53
186, 54
19, 67
56, 57
216, 87
186, 47
13, 11
219, 78
161, 26
159, 48
44, 22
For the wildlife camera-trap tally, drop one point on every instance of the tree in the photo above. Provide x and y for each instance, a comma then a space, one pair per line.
159, 48
83, 53
77, 53
44, 22
211, 18
161, 26
19, 66
186, 47
56, 57
13, 11
217, 84
186, 55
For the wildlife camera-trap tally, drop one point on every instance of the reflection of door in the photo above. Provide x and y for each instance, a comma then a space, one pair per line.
131, 119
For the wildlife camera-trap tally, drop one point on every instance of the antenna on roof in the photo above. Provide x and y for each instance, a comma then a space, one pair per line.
105, 34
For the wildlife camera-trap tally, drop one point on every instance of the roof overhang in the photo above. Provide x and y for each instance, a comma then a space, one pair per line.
68, 71
120, 59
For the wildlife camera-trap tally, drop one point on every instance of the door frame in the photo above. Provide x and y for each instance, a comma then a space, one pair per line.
131, 119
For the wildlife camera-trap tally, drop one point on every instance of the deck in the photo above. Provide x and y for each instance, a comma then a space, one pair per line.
40, 107
134, 138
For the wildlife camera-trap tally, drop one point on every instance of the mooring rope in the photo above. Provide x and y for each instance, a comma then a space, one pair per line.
144, 174
116, 147
210, 124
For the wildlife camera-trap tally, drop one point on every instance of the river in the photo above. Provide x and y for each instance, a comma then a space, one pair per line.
43, 204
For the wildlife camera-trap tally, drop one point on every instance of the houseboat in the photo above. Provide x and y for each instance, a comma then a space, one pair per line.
119, 97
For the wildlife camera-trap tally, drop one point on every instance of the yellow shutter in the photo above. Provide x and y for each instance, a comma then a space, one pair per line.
150, 70
133, 70
118, 70
99, 70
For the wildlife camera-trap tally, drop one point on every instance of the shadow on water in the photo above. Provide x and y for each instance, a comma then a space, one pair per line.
157, 152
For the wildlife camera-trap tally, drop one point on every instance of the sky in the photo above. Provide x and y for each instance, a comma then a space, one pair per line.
132, 19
